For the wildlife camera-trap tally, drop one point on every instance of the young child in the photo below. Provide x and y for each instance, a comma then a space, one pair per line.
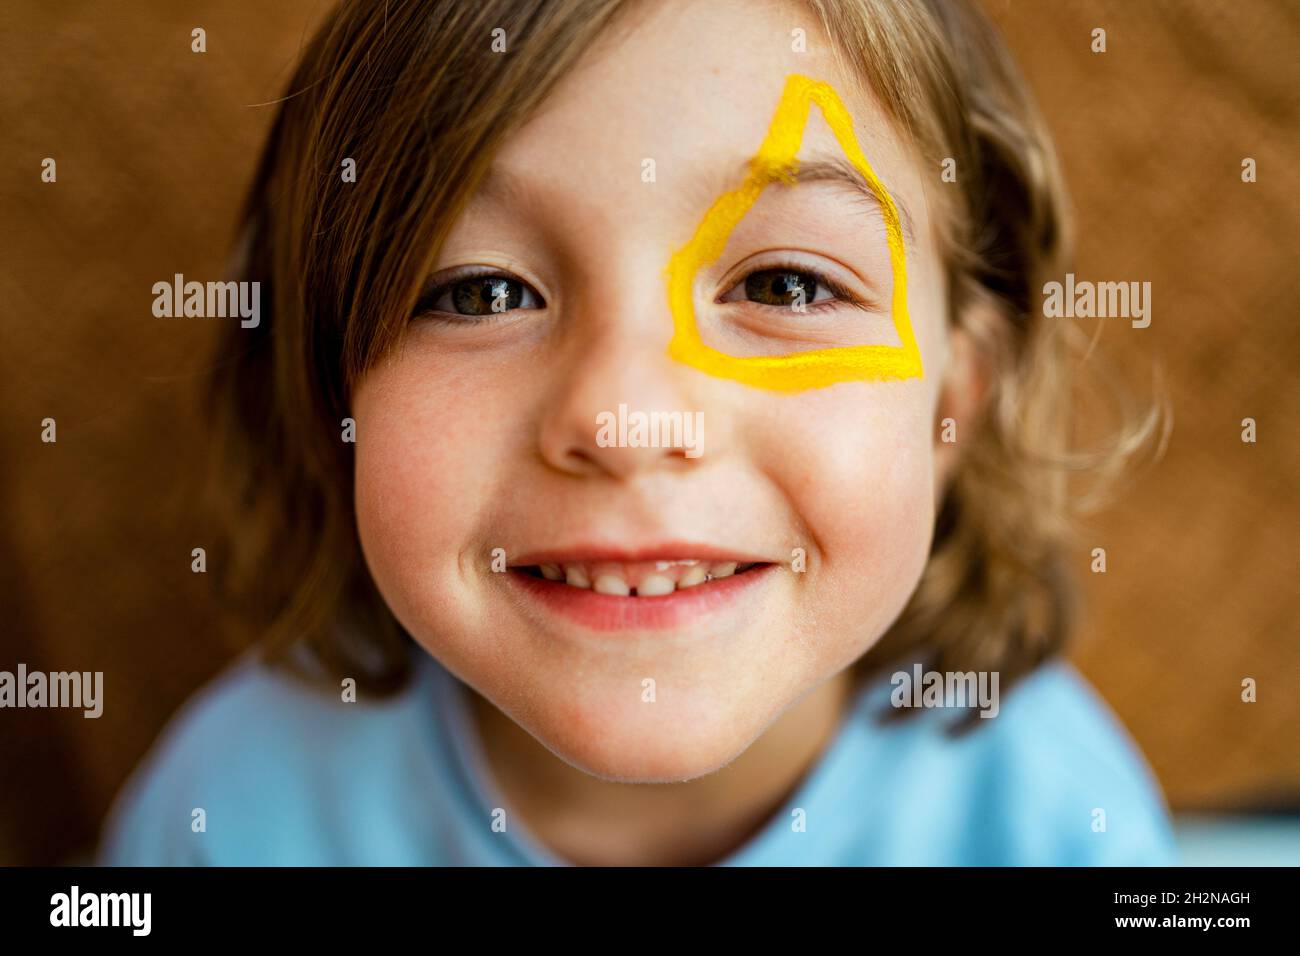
506, 621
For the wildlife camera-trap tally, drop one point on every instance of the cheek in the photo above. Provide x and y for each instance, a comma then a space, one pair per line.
424, 441
868, 479
856, 463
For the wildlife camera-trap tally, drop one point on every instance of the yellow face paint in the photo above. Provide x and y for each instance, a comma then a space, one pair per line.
775, 160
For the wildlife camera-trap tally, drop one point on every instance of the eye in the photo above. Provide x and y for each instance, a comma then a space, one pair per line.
477, 295
787, 287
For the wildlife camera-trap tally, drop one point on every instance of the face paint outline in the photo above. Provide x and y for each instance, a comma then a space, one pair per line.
776, 157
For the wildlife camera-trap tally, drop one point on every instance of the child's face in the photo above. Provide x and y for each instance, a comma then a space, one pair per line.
482, 434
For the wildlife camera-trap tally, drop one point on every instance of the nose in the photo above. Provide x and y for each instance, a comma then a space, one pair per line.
621, 407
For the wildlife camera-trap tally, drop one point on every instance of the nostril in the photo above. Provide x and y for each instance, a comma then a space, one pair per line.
582, 460
578, 461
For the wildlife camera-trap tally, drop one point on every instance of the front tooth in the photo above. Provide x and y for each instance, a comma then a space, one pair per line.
653, 585
692, 576
611, 584
576, 576
723, 569
552, 572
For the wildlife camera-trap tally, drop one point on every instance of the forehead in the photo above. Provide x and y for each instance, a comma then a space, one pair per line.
687, 89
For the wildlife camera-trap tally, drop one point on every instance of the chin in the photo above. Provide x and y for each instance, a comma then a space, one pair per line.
660, 747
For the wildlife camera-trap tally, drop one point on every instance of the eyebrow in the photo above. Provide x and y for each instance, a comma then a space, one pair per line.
504, 184
837, 171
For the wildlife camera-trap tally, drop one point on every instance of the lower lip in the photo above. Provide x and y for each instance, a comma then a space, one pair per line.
610, 612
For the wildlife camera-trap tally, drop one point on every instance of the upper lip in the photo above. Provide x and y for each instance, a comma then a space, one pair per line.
661, 551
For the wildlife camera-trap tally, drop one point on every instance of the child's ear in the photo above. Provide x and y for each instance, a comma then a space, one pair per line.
964, 389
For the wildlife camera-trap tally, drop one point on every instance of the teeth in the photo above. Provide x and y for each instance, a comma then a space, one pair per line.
648, 579
611, 584
654, 584
665, 565
693, 576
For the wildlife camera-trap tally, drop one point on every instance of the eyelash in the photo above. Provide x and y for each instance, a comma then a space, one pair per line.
424, 306
842, 294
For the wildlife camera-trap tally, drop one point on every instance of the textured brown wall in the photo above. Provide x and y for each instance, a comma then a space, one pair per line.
155, 145
1202, 551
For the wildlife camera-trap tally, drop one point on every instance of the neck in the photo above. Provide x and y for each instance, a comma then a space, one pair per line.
589, 821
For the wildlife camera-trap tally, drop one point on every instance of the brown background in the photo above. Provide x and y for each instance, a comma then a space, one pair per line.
155, 145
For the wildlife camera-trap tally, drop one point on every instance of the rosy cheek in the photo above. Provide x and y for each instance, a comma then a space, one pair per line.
859, 475
409, 477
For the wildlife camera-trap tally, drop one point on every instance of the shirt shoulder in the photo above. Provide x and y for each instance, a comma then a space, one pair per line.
260, 767
1053, 779
1073, 766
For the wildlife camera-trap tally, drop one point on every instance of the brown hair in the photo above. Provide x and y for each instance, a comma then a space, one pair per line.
411, 91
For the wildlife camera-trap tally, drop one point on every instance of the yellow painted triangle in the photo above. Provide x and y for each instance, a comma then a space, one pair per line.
775, 160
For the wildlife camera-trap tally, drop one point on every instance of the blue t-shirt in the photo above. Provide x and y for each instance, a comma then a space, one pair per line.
288, 774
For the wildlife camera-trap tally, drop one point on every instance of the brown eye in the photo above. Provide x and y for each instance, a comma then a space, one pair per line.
781, 287
790, 288
479, 296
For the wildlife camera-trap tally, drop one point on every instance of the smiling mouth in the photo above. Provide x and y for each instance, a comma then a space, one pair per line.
638, 579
